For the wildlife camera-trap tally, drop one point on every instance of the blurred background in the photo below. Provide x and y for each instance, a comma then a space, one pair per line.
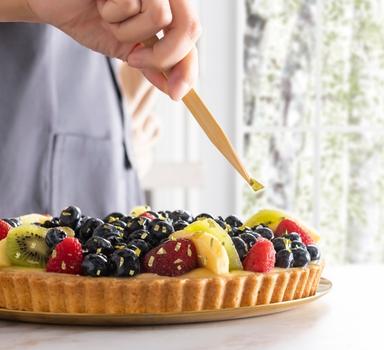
298, 86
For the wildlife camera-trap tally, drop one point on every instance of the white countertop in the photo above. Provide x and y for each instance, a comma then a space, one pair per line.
349, 317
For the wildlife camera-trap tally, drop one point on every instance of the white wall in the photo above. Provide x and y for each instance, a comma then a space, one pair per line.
183, 141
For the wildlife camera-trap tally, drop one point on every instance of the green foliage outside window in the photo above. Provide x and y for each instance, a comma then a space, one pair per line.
314, 117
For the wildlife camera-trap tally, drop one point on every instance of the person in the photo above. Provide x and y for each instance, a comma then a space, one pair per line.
65, 137
141, 97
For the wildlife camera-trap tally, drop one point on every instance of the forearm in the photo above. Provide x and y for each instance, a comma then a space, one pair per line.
16, 11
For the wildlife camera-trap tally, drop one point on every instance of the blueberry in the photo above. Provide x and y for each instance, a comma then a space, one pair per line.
221, 223
234, 231
265, 232
284, 258
87, 228
80, 223
293, 236
98, 245
297, 244
280, 243
240, 246
203, 216
177, 215
163, 241
116, 241
124, 263
256, 235
54, 236
120, 225
119, 245
245, 229
70, 217
160, 229
127, 219
248, 238
301, 257
113, 217
138, 223
180, 225
143, 247
95, 265
146, 236
13, 222
233, 221
54, 222
313, 251
84, 218
107, 231
164, 214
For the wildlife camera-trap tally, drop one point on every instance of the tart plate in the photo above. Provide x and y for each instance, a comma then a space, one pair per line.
324, 287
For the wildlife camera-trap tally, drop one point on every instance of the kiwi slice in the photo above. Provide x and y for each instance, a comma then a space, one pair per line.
26, 246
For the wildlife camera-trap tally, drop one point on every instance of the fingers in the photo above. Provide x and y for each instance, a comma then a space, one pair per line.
182, 77
175, 53
143, 141
153, 17
151, 129
148, 133
134, 85
114, 11
144, 108
179, 39
156, 78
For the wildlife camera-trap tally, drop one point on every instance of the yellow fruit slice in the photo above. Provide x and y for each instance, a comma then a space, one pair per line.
273, 217
137, 211
4, 260
269, 217
211, 253
212, 227
34, 218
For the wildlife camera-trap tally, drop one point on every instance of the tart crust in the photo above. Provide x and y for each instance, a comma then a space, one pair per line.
25, 290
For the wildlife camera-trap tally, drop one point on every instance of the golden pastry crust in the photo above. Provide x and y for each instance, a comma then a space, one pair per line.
59, 293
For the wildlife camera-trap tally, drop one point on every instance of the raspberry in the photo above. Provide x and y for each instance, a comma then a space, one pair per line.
288, 226
66, 257
261, 257
148, 215
4, 228
172, 258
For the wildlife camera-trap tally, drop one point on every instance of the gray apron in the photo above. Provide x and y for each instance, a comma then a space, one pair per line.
62, 127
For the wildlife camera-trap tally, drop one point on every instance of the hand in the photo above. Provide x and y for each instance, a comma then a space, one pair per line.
141, 96
117, 27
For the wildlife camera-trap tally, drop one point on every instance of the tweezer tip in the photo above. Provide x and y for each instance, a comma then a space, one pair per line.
256, 186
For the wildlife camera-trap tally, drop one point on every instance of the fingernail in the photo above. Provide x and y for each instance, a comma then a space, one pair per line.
181, 91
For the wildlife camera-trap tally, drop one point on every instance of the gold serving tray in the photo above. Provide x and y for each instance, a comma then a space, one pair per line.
165, 318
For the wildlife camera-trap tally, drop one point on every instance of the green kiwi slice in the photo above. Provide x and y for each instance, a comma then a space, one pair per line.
26, 246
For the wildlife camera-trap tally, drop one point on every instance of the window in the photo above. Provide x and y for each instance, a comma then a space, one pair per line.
313, 125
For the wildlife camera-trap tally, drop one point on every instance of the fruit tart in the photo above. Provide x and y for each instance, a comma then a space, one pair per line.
154, 262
